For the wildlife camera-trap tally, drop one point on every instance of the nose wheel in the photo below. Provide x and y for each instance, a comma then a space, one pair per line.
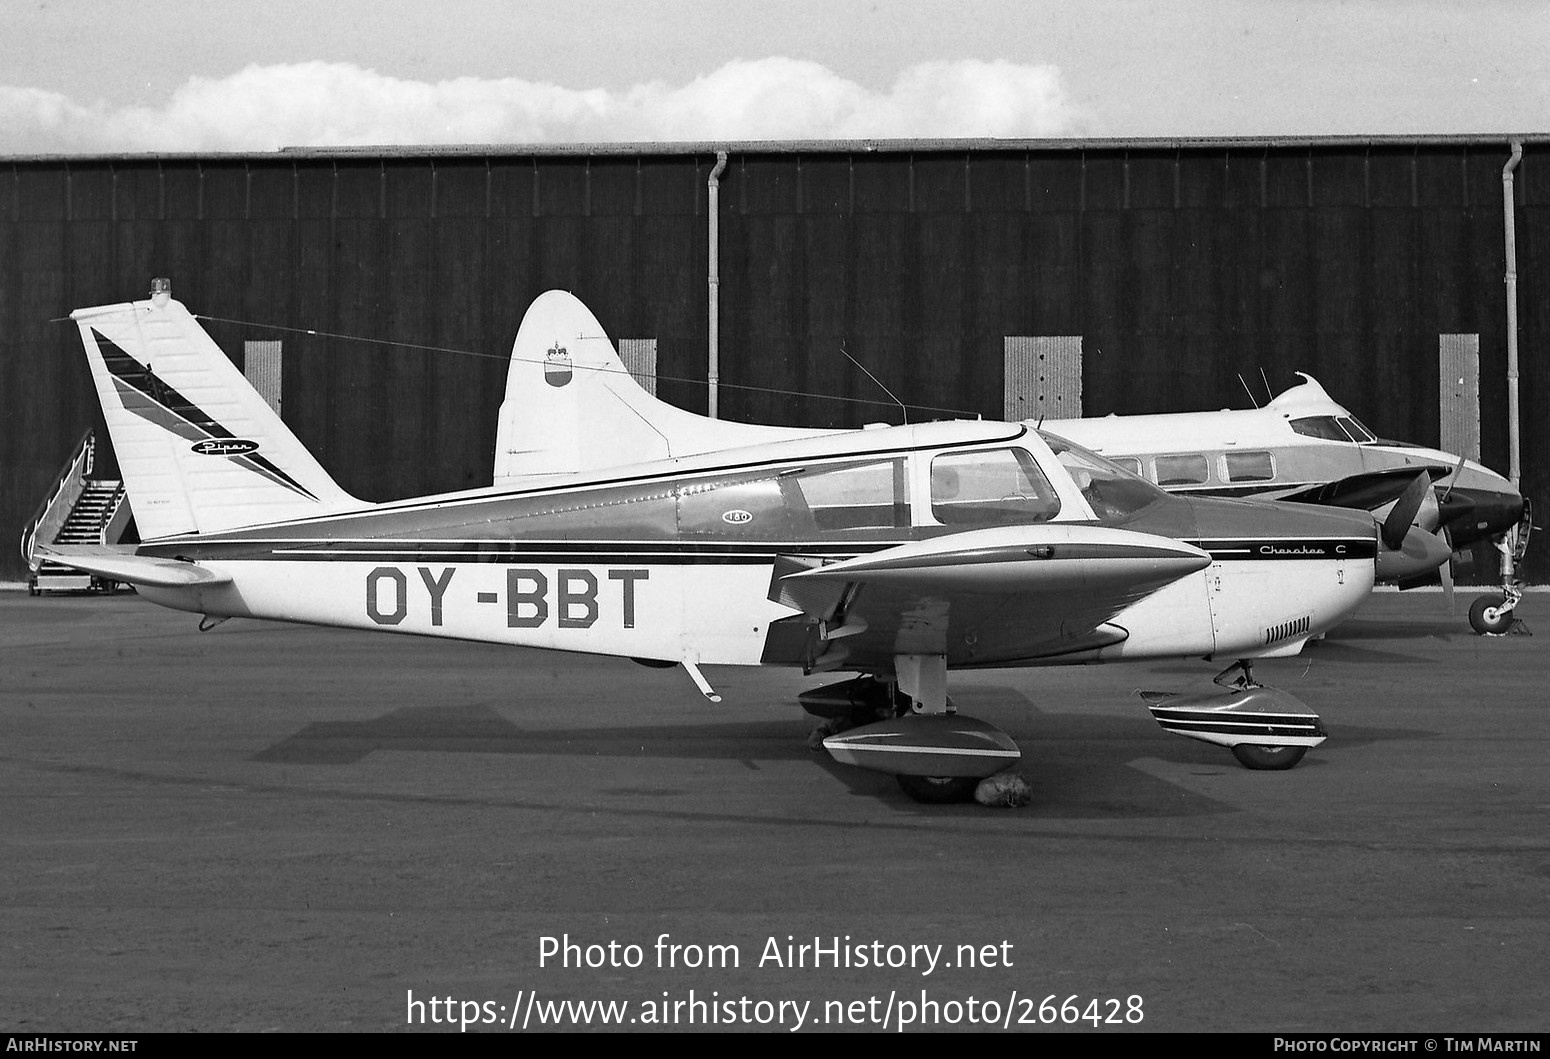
1266, 729
1492, 616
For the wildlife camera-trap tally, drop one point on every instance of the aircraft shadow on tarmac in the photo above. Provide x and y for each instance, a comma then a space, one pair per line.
1079, 763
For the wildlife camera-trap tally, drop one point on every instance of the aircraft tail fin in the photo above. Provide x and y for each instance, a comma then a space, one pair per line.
571, 404
200, 450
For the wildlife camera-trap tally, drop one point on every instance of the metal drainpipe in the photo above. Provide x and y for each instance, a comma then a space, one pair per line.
1514, 468
713, 373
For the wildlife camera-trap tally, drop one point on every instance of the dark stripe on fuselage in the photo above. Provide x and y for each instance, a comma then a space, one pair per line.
1262, 549
671, 553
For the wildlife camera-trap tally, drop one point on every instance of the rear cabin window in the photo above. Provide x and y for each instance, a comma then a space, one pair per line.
1250, 467
1185, 469
1129, 463
990, 488
855, 496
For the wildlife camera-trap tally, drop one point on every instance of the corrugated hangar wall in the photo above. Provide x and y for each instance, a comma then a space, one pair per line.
1179, 267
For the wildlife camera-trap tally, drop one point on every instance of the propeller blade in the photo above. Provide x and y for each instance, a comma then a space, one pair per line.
1405, 509
1445, 571
1429, 517
1453, 478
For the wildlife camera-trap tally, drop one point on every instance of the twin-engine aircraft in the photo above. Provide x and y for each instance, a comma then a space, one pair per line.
1302, 446
622, 526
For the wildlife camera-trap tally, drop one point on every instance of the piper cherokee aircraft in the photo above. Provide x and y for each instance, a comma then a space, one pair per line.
1302, 446
897, 554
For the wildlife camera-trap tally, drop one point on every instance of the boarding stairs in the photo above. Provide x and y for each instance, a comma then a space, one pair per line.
80, 509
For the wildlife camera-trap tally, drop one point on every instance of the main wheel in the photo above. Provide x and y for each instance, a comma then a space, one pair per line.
1487, 616
1268, 758
939, 790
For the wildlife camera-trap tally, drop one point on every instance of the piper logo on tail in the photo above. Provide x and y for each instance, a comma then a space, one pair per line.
225, 447
143, 393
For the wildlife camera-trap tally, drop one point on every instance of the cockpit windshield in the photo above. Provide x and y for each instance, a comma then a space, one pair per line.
1109, 489
1334, 428
1359, 434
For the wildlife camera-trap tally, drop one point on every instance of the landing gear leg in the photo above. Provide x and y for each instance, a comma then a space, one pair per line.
1244, 681
1493, 617
923, 678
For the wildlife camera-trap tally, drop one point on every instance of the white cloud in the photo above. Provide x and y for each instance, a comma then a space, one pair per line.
317, 104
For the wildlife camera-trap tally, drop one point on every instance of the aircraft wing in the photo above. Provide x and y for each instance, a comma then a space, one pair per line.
983, 597
122, 564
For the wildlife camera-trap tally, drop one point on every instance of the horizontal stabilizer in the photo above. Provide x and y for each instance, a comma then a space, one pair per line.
125, 565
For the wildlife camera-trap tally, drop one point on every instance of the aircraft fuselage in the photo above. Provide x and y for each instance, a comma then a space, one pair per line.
681, 560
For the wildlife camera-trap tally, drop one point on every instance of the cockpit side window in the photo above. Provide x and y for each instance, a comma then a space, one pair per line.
1320, 427
994, 487
1334, 428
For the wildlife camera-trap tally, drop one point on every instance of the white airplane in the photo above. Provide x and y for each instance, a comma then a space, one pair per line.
1303, 446
897, 553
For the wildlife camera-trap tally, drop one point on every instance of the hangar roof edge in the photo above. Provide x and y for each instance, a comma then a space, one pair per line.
757, 147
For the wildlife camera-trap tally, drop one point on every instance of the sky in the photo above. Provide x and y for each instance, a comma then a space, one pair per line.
113, 76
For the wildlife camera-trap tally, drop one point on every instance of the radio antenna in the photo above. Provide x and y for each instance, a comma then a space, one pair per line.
880, 386
1252, 400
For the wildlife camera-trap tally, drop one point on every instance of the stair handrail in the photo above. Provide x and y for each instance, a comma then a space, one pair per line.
55, 508
117, 521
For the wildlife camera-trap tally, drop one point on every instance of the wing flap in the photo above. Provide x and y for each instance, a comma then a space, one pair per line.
125, 565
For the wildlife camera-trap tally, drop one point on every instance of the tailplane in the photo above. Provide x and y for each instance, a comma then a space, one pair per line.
571, 405
199, 449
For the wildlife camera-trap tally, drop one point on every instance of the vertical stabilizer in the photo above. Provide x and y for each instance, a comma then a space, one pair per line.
199, 449
571, 405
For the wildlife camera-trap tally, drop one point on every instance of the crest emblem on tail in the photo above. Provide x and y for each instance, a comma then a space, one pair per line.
557, 371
